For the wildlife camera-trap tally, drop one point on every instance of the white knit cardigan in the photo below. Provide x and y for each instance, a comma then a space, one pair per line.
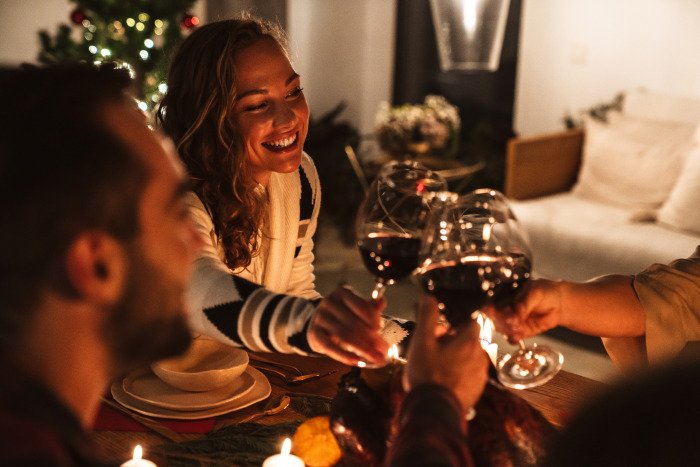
268, 305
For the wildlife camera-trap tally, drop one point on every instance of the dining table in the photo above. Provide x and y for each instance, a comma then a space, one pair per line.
117, 433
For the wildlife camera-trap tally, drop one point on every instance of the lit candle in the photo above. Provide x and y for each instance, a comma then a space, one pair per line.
394, 355
284, 458
138, 460
486, 338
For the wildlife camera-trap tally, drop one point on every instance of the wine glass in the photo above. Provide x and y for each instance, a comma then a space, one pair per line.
390, 222
475, 253
391, 219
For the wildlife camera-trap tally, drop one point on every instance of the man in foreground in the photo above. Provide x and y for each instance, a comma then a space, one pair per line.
95, 248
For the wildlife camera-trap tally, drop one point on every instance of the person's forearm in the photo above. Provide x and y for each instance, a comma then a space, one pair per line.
606, 307
245, 314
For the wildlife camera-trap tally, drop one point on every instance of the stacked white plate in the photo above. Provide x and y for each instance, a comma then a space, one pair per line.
146, 393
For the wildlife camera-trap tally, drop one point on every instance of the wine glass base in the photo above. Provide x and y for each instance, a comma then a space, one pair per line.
530, 367
371, 366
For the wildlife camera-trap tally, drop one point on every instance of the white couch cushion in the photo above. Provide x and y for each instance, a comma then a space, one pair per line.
576, 239
632, 162
682, 209
659, 106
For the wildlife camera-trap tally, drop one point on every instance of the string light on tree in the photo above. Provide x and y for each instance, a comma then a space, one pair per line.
78, 15
190, 21
139, 34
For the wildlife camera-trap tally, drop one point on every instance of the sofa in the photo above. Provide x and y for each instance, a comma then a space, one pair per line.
613, 196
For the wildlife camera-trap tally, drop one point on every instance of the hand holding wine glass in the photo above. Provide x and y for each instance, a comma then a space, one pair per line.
537, 310
453, 360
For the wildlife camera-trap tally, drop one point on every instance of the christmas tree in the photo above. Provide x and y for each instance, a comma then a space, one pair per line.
137, 34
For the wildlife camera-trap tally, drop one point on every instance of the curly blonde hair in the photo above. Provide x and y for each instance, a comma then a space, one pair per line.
196, 113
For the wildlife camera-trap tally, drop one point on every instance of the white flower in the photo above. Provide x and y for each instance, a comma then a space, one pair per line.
434, 122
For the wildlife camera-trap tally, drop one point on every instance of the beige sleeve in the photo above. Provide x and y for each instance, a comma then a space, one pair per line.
670, 296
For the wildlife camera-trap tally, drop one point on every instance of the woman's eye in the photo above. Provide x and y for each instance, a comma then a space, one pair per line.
296, 92
254, 107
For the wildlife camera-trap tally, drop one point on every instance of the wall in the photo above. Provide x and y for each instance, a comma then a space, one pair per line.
577, 53
344, 51
19, 40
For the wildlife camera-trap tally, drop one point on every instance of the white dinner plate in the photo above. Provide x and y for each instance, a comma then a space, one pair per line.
145, 386
261, 389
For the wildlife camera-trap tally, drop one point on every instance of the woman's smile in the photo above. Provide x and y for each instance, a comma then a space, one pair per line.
282, 144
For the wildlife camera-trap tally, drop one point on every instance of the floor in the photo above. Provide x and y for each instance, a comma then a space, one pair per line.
337, 263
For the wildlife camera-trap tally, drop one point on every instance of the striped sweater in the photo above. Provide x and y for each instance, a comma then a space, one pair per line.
268, 306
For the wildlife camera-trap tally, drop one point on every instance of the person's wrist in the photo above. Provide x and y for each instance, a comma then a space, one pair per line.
464, 408
563, 292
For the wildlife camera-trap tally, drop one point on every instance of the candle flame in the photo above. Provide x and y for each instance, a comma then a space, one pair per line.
393, 355
486, 337
286, 447
138, 452
393, 352
486, 333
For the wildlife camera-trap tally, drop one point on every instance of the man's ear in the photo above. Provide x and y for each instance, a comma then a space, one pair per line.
96, 266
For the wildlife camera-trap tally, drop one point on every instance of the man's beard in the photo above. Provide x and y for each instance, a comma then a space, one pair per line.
148, 323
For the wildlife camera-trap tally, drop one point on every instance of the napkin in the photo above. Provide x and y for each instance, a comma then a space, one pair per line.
109, 419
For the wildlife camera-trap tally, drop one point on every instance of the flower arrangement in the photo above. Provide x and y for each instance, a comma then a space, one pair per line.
418, 129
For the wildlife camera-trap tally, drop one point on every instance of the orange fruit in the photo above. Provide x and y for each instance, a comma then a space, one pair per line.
315, 443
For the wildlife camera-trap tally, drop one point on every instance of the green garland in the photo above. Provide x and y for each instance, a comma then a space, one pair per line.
246, 444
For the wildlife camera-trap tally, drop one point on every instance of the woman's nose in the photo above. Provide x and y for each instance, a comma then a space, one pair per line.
284, 115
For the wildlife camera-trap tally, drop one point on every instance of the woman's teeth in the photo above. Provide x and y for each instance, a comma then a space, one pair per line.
282, 143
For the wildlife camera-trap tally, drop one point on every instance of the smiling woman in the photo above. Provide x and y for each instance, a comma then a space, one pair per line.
236, 109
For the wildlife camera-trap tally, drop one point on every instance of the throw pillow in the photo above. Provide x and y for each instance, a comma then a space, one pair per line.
659, 106
682, 209
632, 162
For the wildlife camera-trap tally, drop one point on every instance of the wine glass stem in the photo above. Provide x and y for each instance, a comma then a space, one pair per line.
378, 291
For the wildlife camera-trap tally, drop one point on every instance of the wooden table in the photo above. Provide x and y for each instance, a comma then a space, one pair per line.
557, 400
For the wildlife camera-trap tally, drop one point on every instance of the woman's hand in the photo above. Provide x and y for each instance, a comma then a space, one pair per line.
346, 328
454, 359
537, 309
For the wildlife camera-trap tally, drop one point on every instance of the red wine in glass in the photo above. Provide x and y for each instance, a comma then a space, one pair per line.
389, 257
513, 273
462, 287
